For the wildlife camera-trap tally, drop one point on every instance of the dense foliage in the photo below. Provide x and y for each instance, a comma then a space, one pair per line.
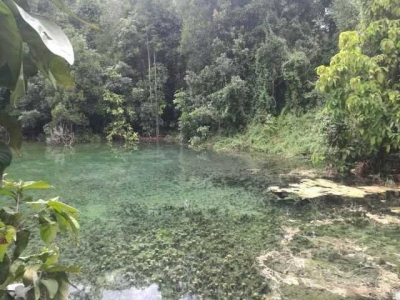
203, 67
224, 68
362, 83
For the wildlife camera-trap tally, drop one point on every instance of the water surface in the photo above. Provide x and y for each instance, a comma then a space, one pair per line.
165, 222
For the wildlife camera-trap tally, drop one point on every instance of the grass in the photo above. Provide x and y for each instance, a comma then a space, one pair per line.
288, 135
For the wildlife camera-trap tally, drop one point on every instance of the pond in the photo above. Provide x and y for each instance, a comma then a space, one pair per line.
165, 222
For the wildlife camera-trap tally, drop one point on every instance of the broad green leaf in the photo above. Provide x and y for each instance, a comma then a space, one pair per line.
35, 185
63, 289
7, 235
21, 243
10, 216
30, 276
53, 257
51, 285
72, 222
38, 205
41, 58
20, 89
63, 223
5, 192
60, 73
59, 206
11, 233
14, 130
3, 251
58, 269
4, 269
51, 34
5, 159
48, 232
10, 46
62, 6
16, 274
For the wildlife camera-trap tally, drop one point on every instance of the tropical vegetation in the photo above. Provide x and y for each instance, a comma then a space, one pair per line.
217, 71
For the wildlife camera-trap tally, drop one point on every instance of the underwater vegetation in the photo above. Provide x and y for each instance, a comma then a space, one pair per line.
187, 225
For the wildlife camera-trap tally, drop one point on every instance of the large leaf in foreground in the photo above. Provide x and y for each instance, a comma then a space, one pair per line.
14, 130
52, 66
5, 159
10, 48
51, 34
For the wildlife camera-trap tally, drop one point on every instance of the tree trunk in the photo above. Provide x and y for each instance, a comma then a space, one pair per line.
149, 62
156, 96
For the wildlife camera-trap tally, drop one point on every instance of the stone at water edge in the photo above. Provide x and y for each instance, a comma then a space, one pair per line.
397, 295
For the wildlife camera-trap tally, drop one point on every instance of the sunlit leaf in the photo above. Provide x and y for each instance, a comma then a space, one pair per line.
5, 192
51, 286
51, 34
41, 58
35, 185
37, 205
59, 206
3, 251
57, 269
30, 274
20, 89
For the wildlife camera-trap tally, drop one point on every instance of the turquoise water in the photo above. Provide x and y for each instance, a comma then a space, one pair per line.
165, 222
162, 214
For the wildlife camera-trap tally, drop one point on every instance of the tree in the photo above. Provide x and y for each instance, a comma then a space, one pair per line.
362, 84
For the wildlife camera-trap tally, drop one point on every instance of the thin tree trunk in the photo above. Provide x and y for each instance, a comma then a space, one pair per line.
149, 61
156, 96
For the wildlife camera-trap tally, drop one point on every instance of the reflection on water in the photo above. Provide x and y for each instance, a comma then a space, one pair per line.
150, 293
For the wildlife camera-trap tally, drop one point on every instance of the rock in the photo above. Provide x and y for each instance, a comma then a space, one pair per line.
397, 295
315, 188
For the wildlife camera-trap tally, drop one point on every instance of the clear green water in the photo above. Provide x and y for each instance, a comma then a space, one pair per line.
165, 222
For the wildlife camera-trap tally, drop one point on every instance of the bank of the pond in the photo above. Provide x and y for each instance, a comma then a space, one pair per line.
288, 135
